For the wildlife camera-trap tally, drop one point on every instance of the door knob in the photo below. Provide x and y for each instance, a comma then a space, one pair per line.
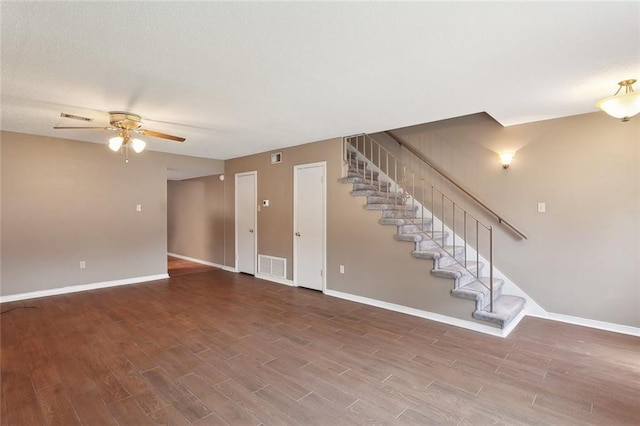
251, 230
297, 234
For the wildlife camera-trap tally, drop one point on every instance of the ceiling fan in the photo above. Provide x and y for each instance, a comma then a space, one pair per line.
126, 123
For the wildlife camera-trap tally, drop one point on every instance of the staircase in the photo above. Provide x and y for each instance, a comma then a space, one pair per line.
401, 205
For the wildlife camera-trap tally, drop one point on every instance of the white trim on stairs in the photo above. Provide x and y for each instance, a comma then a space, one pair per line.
203, 262
469, 325
81, 287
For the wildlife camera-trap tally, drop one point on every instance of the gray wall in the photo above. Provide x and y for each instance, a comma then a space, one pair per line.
195, 218
581, 258
376, 266
65, 201
582, 255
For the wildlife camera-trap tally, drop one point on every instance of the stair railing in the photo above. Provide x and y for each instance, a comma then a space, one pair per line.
373, 161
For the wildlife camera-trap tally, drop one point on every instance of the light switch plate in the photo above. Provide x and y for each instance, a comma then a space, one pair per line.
542, 207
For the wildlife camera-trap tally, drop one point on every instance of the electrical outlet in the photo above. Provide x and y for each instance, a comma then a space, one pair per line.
83, 264
342, 269
138, 207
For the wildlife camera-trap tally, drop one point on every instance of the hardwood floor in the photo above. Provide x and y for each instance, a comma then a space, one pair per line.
176, 266
216, 348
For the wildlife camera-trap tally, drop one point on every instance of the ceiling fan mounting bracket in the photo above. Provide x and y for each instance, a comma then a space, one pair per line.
125, 120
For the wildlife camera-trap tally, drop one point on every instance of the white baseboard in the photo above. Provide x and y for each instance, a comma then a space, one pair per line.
82, 287
275, 279
204, 262
469, 325
600, 325
194, 260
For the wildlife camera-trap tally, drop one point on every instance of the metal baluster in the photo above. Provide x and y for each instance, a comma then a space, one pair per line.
422, 211
379, 170
465, 239
454, 230
491, 267
442, 219
364, 154
477, 250
413, 193
433, 206
387, 170
370, 161
395, 173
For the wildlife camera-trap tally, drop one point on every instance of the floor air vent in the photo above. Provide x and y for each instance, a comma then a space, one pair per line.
273, 266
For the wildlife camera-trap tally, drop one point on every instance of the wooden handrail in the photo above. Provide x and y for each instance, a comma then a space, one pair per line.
444, 174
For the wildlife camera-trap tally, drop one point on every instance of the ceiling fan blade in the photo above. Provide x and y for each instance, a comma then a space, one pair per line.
90, 128
160, 135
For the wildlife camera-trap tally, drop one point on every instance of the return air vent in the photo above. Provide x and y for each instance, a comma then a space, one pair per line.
75, 117
273, 266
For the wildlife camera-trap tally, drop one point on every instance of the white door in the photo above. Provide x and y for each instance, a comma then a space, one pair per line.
309, 225
246, 204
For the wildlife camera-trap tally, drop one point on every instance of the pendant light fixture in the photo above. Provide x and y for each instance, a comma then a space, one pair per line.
622, 105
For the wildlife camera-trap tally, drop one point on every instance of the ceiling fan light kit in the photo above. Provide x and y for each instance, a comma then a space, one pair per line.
622, 105
127, 123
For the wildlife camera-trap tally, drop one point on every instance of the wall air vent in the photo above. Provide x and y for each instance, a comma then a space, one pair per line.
75, 117
273, 266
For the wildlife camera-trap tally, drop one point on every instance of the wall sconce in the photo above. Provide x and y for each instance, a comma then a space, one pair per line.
505, 159
624, 105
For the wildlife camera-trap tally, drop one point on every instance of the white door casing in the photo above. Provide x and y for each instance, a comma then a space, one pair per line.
309, 225
246, 224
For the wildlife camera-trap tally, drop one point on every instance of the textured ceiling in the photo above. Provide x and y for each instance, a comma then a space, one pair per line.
236, 78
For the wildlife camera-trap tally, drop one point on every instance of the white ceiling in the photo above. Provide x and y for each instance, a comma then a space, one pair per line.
236, 78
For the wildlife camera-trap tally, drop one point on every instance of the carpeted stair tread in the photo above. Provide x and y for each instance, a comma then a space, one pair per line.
419, 236
479, 291
385, 206
505, 309
366, 174
396, 221
360, 179
417, 225
384, 200
458, 273
375, 193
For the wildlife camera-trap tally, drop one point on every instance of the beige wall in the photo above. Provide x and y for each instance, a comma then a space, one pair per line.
195, 218
581, 258
376, 266
275, 183
65, 201
582, 255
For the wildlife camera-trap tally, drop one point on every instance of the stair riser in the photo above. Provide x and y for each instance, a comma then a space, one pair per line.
375, 193
448, 260
398, 214
384, 200
484, 301
426, 245
365, 186
419, 227
464, 280
367, 174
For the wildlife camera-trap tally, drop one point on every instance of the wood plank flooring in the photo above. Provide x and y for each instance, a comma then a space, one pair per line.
209, 347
